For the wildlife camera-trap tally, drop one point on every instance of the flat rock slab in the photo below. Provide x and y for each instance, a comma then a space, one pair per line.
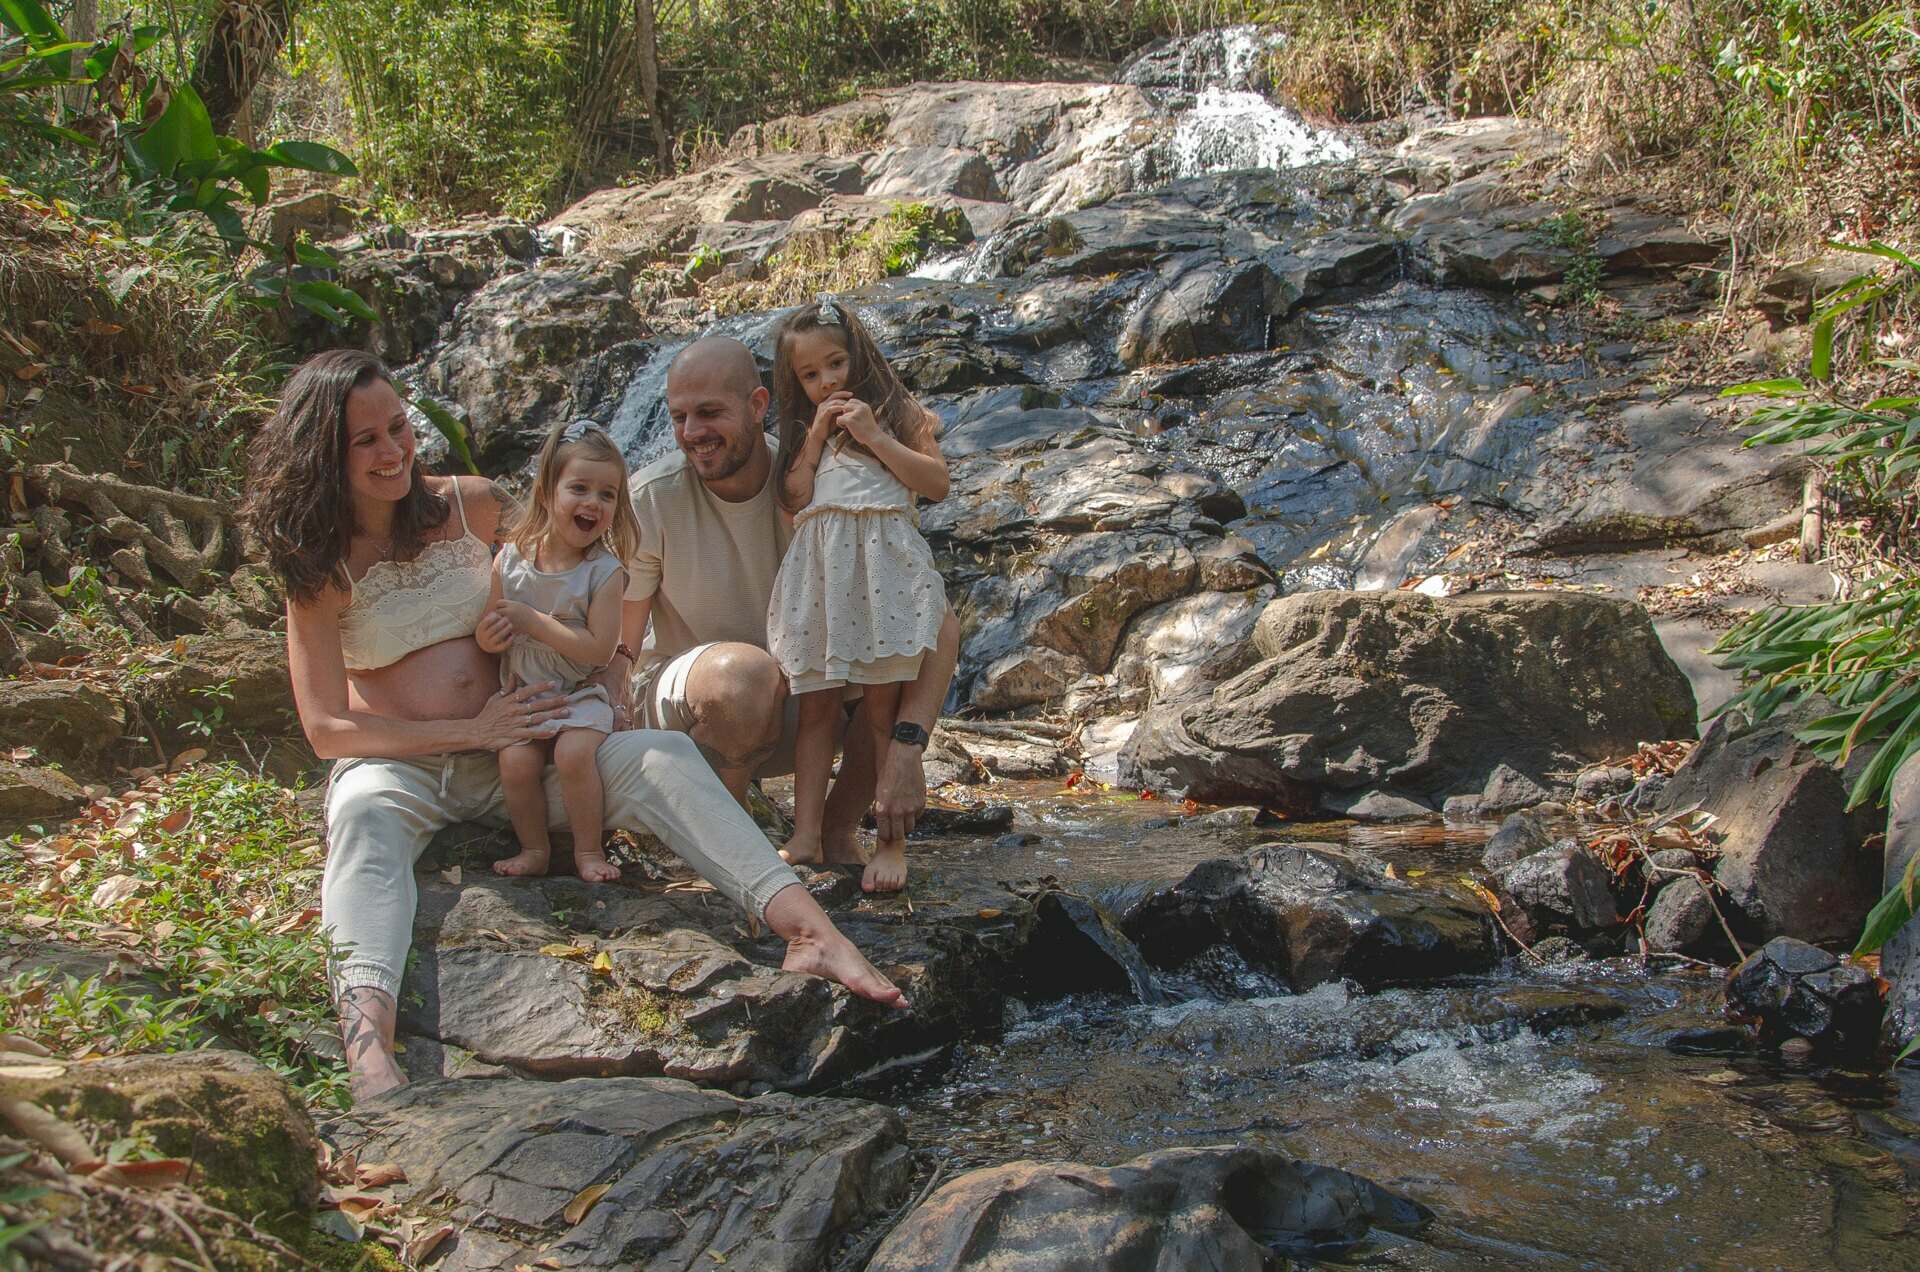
556, 978
1225, 1209
693, 1177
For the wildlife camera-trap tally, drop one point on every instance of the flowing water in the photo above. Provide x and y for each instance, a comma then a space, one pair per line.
1538, 1112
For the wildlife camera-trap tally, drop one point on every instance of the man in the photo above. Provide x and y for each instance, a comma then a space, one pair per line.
710, 545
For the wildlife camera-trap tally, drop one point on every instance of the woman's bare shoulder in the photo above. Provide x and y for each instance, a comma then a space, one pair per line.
488, 505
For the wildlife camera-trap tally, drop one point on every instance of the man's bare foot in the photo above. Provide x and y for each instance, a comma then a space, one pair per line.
833, 957
366, 1034
377, 1078
803, 849
593, 867
842, 849
887, 872
526, 862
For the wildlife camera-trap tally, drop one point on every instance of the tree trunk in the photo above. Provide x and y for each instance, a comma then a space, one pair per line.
650, 80
83, 24
243, 40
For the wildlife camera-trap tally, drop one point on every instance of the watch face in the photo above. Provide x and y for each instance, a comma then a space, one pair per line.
910, 733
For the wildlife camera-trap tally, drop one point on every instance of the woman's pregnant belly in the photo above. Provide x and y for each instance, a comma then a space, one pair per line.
448, 681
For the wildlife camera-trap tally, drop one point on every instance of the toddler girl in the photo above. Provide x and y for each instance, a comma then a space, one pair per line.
858, 601
555, 614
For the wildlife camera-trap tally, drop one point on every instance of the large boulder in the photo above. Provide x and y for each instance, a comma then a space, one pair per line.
689, 1177
554, 978
1791, 860
1900, 956
35, 795
1229, 1209
1792, 989
242, 677
1311, 913
66, 721
1421, 695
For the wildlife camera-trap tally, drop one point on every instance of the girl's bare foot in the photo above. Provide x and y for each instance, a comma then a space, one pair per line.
592, 866
366, 1033
887, 872
803, 849
526, 863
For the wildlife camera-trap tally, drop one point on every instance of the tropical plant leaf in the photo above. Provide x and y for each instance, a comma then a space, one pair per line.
450, 426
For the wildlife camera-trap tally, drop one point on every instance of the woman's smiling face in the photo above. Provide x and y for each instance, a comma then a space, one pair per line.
380, 443
819, 362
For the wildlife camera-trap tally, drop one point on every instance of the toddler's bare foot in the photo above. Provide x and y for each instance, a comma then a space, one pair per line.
526, 863
592, 866
887, 872
831, 956
802, 850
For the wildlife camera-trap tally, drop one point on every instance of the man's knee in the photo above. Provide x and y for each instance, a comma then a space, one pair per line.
738, 699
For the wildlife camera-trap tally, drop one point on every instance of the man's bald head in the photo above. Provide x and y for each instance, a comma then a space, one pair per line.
719, 361
718, 407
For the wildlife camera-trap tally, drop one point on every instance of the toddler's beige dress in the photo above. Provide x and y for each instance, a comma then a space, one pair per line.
568, 596
857, 600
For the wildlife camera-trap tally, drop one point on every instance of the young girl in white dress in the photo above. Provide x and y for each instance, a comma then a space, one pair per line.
555, 616
858, 601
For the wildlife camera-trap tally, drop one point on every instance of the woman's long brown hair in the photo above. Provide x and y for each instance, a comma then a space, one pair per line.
563, 443
869, 378
296, 507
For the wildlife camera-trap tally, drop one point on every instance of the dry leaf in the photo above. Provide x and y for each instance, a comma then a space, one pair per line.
30, 370
338, 1223
59, 1137
426, 1243
14, 1042
559, 949
151, 1175
115, 889
379, 1175
192, 755
176, 821
101, 327
991, 914
585, 1201
451, 875
602, 964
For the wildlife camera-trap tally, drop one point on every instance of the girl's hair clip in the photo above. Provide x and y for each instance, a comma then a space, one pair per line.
829, 312
580, 428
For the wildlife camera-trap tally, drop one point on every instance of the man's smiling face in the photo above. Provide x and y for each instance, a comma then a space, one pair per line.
717, 411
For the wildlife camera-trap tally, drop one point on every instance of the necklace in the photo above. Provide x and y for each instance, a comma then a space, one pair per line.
384, 549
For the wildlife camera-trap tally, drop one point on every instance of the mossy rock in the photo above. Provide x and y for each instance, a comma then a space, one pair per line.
235, 1119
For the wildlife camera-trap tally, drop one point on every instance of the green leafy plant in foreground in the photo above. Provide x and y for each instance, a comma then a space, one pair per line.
1860, 654
207, 881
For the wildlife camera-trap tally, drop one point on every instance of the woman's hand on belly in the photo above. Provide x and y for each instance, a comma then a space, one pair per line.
449, 681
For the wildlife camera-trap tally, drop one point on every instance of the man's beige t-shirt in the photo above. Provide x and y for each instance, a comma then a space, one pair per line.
708, 564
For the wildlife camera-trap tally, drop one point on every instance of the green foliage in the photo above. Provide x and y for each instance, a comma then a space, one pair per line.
207, 881
459, 105
1572, 233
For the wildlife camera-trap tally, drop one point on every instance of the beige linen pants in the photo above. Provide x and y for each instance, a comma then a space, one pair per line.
381, 814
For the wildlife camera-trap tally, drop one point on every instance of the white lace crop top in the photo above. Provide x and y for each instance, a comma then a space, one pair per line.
400, 606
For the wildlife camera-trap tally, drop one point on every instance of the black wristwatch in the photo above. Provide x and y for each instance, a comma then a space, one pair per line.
910, 733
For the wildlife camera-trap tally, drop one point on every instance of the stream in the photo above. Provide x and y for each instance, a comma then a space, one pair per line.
1538, 1111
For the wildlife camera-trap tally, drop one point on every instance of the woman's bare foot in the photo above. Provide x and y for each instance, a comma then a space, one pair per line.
887, 872
803, 849
818, 948
527, 862
366, 1033
592, 866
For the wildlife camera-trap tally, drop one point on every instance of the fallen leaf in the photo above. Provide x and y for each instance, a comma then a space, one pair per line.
451, 875
990, 914
559, 949
192, 755
30, 370
603, 964
380, 1174
176, 821
14, 1042
168, 1173
338, 1223
114, 889
583, 1202
424, 1245
56, 1135
101, 327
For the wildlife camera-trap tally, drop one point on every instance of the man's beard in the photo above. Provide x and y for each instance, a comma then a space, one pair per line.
727, 461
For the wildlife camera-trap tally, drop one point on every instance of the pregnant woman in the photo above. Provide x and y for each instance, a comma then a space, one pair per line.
387, 571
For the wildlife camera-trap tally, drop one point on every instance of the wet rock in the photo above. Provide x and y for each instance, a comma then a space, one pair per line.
1203, 306
690, 1174
1374, 806
948, 762
1790, 855
1796, 990
964, 819
518, 347
234, 1118
1311, 913
504, 969
1554, 951
1507, 790
33, 795
65, 721
1078, 948
1900, 956
1223, 1208
1420, 695
1604, 782
1521, 835
1562, 891
1681, 919
1708, 1042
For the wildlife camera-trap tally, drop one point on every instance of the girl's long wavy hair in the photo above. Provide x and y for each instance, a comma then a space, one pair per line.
582, 439
869, 378
296, 507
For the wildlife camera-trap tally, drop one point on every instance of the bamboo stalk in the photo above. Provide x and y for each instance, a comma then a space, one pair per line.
1812, 515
